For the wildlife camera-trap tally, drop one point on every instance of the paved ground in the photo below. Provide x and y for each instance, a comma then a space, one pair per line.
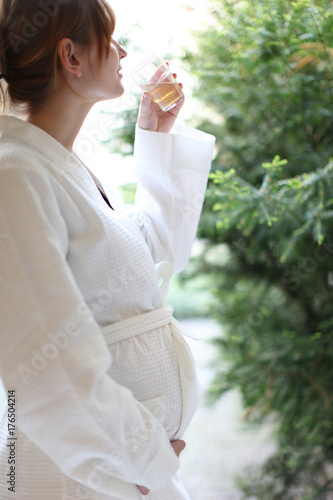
219, 444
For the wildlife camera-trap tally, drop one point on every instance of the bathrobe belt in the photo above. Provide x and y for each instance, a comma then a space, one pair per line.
143, 323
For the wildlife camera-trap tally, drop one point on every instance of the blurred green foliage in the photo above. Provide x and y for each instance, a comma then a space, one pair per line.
264, 76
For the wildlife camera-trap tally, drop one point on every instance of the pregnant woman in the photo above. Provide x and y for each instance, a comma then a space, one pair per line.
100, 381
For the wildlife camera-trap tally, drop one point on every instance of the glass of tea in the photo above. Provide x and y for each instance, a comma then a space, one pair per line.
155, 77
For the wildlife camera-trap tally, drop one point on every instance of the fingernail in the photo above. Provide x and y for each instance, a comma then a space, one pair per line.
146, 96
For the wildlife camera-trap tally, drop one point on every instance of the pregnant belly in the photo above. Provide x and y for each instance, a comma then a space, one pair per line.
150, 365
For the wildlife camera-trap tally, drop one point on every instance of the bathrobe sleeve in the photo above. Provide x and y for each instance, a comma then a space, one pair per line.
172, 170
54, 355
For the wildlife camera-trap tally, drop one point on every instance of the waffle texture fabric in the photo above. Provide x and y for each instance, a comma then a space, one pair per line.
94, 417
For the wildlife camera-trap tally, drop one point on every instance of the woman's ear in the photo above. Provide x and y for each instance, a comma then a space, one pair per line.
70, 57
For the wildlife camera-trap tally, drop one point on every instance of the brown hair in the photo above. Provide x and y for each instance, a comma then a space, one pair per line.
30, 32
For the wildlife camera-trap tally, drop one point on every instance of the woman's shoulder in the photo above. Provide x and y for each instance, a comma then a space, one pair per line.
26, 148
15, 151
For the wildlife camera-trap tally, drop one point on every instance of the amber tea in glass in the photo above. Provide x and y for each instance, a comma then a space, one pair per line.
155, 77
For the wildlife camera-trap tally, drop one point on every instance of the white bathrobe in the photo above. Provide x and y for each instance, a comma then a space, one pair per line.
102, 375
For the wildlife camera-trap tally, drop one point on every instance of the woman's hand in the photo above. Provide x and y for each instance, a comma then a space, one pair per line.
178, 445
152, 118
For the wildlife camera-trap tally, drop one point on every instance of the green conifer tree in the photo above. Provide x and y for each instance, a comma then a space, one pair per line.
265, 77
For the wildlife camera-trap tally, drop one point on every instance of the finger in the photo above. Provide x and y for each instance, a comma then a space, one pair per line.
178, 446
145, 97
181, 444
146, 106
143, 490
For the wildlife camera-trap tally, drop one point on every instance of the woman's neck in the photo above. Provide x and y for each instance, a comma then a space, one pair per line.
62, 118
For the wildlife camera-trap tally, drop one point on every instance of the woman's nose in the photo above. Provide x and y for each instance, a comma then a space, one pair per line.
122, 52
